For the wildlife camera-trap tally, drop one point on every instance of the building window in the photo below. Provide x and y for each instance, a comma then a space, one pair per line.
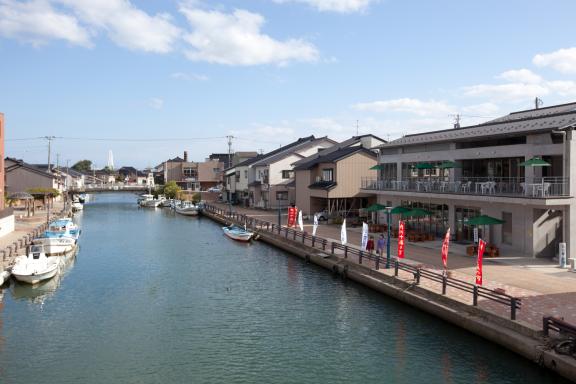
327, 174
287, 174
237, 174
282, 195
190, 172
246, 174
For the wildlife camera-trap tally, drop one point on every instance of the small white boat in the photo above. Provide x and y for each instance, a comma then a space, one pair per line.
187, 208
4, 275
77, 206
237, 233
61, 237
35, 266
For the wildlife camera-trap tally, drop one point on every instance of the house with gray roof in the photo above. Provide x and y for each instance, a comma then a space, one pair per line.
330, 179
518, 168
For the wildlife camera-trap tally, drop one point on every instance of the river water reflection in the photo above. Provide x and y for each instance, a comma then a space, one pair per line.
158, 298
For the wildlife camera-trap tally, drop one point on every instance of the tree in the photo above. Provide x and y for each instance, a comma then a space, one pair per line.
172, 190
83, 166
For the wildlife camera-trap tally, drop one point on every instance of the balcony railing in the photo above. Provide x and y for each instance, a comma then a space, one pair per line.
543, 187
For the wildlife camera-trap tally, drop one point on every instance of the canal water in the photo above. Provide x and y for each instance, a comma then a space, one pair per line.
154, 297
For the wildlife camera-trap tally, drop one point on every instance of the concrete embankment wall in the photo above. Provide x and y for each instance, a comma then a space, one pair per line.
513, 335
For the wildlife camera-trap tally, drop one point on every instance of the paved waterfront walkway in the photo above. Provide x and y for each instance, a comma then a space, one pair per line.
545, 289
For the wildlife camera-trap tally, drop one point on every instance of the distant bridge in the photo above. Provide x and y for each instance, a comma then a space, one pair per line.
93, 188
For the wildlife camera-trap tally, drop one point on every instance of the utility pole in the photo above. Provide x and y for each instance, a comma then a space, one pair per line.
229, 193
49, 138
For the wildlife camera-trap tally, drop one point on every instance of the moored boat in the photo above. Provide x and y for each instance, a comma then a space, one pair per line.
35, 266
77, 206
237, 233
61, 237
187, 208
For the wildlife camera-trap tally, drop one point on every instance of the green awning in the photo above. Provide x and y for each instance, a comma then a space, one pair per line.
484, 220
535, 162
449, 164
377, 167
424, 166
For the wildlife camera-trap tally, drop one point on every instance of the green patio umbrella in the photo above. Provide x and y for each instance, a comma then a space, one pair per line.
484, 220
424, 166
400, 209
417, 213
377, 167
535, 162
376, 207
449, 164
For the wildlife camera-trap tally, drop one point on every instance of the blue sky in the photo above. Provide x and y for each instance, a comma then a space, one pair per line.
119, 75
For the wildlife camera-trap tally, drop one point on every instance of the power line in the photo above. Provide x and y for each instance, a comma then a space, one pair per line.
120, 139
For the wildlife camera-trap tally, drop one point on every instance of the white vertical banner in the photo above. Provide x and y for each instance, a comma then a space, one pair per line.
343, 233
315, 227
300, 222
364, 236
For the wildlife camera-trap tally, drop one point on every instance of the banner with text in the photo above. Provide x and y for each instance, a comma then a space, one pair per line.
343, 233
481, 248
300, 222
364, 236
445, 245
315, 227
292, 216
401, 239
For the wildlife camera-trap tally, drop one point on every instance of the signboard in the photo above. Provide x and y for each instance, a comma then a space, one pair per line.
401, 239
343, 233
364, 236
475, 235
481, 248
315, 227
445, 245
292, 216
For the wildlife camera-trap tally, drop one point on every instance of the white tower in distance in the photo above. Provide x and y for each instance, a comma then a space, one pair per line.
110, 160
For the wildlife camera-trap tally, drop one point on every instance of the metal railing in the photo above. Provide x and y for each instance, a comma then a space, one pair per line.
476, 292
542, 187
550, 323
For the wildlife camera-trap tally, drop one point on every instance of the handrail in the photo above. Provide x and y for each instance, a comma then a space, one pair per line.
558, 325
418, 272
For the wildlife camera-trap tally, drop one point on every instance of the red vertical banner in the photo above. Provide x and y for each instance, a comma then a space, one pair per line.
401, 239
292, 211
445, 245
481, 248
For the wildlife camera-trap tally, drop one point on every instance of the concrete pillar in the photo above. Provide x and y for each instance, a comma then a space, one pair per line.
569, 224
452, 218
399, 170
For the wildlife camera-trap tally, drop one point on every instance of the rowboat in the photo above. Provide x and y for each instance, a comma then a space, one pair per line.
35, 267
238, 233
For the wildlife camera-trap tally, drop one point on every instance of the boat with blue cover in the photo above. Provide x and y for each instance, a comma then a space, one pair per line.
237, 233
61, 237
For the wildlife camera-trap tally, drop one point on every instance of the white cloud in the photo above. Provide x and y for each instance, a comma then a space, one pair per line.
37, 22
156, 103
562, 60
563, 88
407, 105
236, 39
507, 92
189, 76
520, 76
341, 6
126, 25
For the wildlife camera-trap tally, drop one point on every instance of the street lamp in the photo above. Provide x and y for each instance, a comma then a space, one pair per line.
388, 209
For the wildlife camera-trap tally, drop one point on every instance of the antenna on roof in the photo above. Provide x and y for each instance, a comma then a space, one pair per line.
456, 120
538, 102
357, 128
